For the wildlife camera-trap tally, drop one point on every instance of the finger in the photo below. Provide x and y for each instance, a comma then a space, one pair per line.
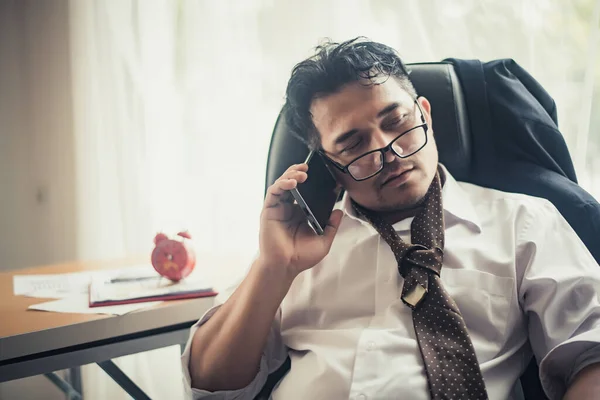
305, 230
287, 198
283, 212
298, 215
289, 173
332, 225
280, 187
297, 167
300, 176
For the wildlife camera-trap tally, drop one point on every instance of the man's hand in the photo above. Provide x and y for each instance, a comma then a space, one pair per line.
286, 239
226, 350
586, 384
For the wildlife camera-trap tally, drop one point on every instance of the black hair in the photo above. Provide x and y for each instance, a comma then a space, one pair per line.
332, 66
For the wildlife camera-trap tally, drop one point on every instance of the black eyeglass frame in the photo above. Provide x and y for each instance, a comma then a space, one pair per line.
383, 150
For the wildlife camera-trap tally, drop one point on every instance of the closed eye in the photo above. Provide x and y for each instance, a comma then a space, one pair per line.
352, 147
395, 122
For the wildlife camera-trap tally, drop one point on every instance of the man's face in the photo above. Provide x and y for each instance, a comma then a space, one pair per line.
361, 117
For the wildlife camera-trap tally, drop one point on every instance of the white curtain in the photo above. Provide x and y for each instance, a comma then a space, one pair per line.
175, 103
131, 153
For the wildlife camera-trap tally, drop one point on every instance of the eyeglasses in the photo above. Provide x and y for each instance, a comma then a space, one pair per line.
371, 163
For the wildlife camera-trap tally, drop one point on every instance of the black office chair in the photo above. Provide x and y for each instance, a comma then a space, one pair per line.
439, 83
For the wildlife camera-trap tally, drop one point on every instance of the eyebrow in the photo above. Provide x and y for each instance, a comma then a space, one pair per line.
347, 135
388, 109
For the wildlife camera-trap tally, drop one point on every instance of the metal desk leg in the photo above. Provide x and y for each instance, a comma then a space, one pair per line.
75, 379
123, 380
63, 386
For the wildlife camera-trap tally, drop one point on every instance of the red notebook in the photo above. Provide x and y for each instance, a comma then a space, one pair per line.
106, 291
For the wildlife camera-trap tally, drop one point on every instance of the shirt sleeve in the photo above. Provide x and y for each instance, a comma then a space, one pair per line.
560, 294
273, 356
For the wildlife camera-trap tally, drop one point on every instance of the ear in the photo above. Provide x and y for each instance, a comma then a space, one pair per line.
426, 107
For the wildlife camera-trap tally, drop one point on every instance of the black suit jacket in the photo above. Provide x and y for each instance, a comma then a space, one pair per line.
517, 146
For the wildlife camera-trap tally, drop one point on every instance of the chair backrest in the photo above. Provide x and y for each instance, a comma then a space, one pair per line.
439, 83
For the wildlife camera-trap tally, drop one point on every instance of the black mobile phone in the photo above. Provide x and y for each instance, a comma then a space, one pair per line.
317, 195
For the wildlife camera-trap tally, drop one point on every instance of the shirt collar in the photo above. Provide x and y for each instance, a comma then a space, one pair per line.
457, 206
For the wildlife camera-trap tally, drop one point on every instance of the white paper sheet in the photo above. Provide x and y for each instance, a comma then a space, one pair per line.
51, 286
79, 304
58, 286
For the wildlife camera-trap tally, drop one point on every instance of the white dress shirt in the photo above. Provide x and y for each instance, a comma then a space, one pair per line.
523, 281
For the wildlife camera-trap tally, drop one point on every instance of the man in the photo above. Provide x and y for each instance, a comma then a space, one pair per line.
421, 287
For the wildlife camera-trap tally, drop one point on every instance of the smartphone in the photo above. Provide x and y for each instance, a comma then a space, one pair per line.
318, 194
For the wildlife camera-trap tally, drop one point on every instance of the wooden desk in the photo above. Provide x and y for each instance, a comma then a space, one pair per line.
37, 342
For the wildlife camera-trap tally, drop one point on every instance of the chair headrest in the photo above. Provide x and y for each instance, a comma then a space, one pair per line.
437, 82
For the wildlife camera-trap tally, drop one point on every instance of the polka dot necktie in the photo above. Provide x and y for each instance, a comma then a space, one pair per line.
448, 354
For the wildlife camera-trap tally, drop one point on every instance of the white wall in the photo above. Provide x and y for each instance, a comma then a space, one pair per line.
37, 213
37, 218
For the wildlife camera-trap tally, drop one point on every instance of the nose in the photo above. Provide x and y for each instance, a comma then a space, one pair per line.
389, 156
381, 140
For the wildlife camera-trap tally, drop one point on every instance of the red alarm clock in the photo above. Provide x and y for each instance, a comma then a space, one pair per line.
173, 259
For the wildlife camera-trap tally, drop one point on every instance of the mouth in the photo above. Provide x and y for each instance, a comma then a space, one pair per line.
398, 179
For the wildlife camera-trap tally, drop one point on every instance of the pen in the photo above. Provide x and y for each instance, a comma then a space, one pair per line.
144, 278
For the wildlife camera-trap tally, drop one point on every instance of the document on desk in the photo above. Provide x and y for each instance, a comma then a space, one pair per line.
78, 303
58, 286
55, 286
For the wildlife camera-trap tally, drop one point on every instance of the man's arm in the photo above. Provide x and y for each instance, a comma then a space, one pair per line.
559, 293
586, 384
226, 350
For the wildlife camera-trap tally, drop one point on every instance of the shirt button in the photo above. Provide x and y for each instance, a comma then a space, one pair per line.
370, 346
361, 397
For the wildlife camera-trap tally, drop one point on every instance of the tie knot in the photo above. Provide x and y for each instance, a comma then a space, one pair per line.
420, 256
